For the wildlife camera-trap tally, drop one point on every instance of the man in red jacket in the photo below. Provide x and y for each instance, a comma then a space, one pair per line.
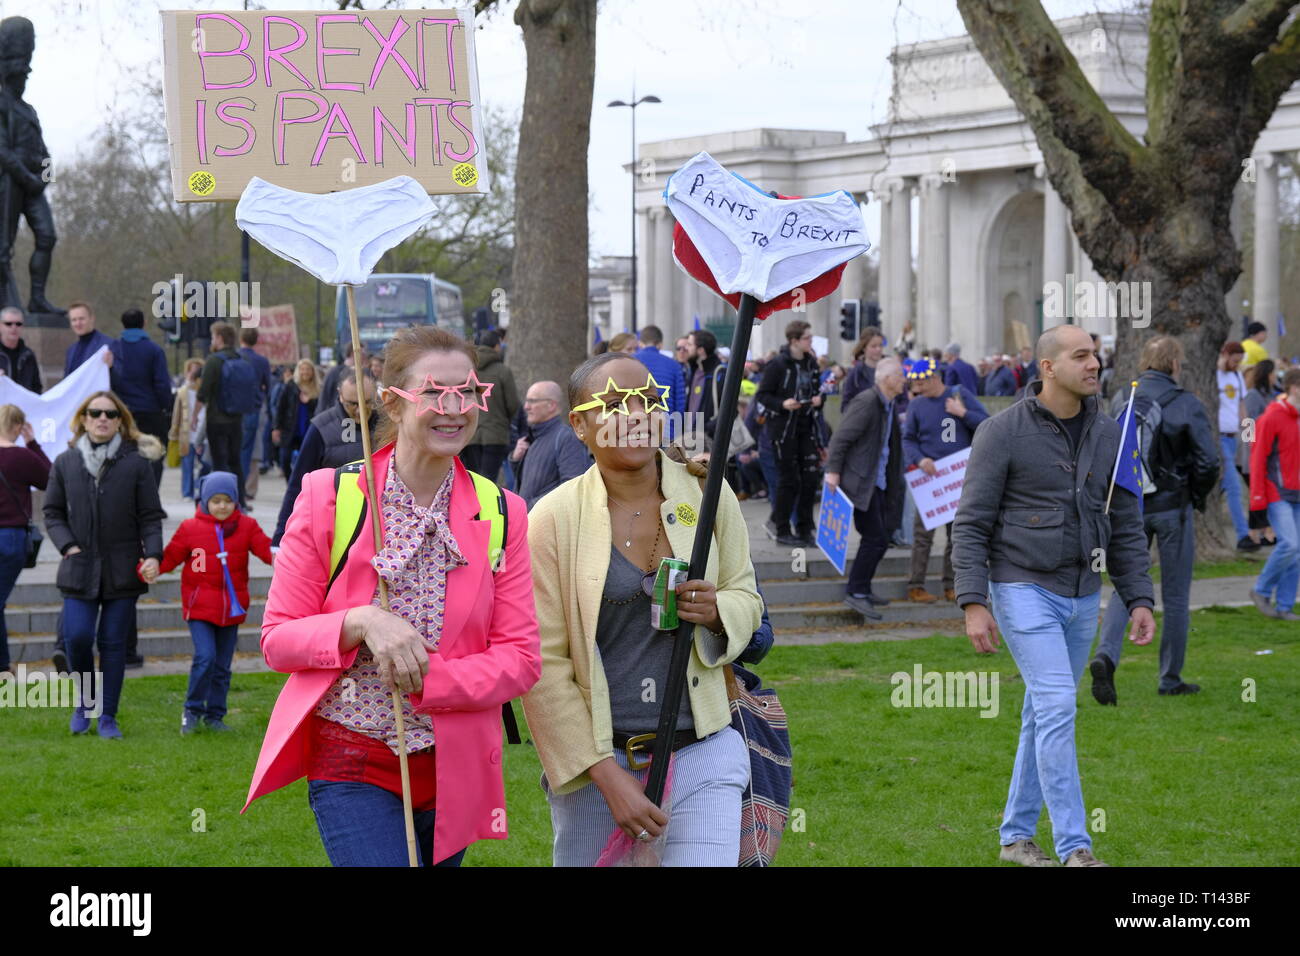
214, 547
1275, 485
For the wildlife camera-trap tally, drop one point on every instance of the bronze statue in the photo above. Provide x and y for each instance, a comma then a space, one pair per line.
24, 169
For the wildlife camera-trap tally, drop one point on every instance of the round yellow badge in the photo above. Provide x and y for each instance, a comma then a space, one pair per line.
465, 174
201, 183
686, 515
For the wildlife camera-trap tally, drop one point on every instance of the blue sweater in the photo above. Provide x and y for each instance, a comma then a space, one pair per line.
139, 373
963, 374
666, 372
926, 417
1001, 381
84, 348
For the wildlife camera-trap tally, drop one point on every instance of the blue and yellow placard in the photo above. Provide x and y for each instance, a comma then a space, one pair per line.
833, 524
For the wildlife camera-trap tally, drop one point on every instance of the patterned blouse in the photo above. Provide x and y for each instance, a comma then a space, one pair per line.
418, 552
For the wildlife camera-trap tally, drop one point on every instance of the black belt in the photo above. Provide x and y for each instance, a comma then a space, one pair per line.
631, 744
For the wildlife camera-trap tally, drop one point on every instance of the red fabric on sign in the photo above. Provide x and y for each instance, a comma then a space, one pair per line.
689, 258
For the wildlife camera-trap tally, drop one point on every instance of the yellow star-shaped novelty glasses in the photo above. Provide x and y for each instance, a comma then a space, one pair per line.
614, 398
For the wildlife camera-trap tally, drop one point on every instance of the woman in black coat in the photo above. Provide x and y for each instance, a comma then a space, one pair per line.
103, 514
294, 411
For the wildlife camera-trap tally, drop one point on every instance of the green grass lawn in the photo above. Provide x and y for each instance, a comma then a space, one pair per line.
1204, 780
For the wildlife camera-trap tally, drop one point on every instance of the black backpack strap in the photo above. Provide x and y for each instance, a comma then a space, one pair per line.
512, 726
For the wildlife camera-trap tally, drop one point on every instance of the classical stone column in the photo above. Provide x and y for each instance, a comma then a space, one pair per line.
1267, 299
933, 328
899, 309
662, 289
1056, 249
883, 247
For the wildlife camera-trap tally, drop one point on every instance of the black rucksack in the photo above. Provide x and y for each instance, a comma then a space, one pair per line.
1158, 469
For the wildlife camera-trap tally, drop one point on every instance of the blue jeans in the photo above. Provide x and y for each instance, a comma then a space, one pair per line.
905, 530
1282, 569
1049, 637
361, 825
79, 634
772, 476
214, 649
13, 555
1230, 482
1176, 538
188, 483
248, 441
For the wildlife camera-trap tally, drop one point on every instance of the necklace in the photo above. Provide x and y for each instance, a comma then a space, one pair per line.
642, 591
635, 514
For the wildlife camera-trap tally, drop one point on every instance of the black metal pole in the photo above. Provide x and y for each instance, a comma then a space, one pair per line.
634, 212
683, 642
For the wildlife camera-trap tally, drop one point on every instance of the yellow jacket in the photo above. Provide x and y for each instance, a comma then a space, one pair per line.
569, 539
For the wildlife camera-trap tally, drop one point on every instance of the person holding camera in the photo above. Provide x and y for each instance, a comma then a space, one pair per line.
790, 390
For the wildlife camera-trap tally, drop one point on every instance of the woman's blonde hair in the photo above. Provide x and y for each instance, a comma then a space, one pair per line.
190, 365
126, 429
621, 341
11, 417
312, 388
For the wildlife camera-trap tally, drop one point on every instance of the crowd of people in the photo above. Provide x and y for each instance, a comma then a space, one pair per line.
594, 518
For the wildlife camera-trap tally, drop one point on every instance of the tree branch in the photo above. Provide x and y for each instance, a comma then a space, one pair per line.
1255, 23
1272, 75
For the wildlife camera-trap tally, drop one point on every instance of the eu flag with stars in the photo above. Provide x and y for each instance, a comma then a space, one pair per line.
1128, 465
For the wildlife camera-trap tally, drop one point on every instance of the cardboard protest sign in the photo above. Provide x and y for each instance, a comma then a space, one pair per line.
321, 102
936, 496
277, 332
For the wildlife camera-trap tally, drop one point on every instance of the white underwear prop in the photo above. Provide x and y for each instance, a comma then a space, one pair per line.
337, 237
757, 244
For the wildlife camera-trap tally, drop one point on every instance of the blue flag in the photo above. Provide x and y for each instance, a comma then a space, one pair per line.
697, 323
1128, 464
597, 342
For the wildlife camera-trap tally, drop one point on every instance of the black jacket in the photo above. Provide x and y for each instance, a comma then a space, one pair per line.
26, 371
714, 373
783, 378
285, 414
115, 524
1192, 445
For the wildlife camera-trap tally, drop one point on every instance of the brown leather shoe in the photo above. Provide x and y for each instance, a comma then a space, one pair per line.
950, 595
920, 596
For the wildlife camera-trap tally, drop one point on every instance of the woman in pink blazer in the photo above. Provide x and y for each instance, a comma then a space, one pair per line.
457, 653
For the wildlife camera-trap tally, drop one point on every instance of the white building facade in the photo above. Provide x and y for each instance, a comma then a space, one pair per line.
970, 228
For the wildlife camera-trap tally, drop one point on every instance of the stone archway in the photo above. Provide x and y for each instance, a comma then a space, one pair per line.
1013, 272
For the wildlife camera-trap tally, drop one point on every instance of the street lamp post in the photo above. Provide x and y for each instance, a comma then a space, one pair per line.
633, 105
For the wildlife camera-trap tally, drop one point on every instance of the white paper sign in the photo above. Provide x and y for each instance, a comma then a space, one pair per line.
936, 496
821, 345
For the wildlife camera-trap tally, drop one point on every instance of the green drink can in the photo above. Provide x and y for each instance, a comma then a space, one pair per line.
663, 603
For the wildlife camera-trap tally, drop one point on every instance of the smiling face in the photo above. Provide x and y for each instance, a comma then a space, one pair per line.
424, 430
617, 440
81, 319
102, 419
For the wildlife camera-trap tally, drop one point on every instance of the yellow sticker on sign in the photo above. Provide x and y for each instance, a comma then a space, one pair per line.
686, 515
465, 174
201, 183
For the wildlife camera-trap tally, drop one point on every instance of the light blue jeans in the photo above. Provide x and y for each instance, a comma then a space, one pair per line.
1049, 636
1230, 482
1282, 569
707, 782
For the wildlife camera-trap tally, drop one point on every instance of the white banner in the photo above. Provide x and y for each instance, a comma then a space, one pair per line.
936, 496
50, 414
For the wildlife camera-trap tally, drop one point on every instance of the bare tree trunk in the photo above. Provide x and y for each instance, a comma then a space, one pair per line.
548, 312
1155, 212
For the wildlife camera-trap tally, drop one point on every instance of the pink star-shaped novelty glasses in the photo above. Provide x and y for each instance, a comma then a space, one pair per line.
472, 394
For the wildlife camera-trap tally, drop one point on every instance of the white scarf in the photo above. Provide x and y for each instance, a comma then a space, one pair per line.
94, 456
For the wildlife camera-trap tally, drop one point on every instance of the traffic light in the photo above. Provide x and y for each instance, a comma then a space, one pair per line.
850, 319
873, 313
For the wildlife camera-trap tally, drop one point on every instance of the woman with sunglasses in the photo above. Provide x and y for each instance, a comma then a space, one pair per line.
596, 542
103, 514
459, 639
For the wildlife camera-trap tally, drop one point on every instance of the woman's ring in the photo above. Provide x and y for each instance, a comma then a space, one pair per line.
643, 835
692, 597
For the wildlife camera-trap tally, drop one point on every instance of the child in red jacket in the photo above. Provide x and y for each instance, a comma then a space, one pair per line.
213, 546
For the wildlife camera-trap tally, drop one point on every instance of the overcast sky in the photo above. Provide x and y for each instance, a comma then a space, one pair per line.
716, 66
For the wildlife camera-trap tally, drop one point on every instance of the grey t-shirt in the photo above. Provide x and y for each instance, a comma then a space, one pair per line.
634, 655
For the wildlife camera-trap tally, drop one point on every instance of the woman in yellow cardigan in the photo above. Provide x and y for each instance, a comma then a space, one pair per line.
593, 541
